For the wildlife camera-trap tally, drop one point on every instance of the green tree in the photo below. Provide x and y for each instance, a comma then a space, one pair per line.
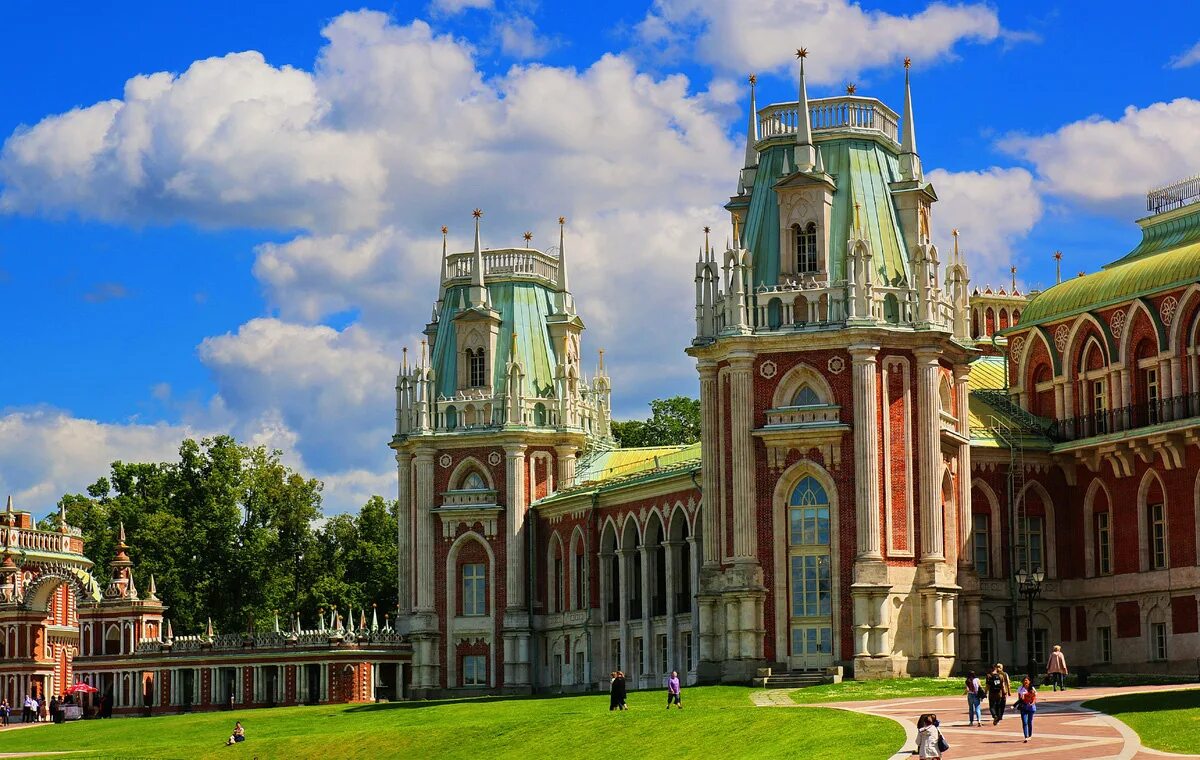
673, 421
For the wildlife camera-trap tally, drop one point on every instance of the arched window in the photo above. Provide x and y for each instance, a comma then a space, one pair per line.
946, 398
539, 414
451, 418
477, 367
806, 248
806, 396
809, 578
474, 482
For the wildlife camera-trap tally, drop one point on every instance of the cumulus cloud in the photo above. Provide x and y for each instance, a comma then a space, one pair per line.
452, 7
520, 38
1189, 57
48, 452
843, 39
992, 210
1109, 164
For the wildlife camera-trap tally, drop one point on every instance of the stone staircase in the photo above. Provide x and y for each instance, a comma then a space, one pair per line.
796, 679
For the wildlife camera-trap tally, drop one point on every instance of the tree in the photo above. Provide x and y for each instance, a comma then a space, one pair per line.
673, 421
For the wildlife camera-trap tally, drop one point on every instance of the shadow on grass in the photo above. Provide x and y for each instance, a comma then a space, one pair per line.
418, 704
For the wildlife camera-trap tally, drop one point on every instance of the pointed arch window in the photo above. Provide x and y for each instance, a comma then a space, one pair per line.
477, 367
806, 396
806, 247
474, 482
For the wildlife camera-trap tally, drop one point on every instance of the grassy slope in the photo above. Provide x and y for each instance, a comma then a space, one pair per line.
719, 720
848, 691
1165, 720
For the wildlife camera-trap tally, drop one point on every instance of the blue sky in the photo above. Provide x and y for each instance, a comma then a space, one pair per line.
243, 243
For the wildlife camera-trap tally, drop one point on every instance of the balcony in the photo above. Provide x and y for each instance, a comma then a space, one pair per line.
1126, 418
508, 263
843, 113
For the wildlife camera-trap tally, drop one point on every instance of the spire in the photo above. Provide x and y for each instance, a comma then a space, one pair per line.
752, 128
1057, 267
9, 518
910, 161
1013, 270
374, 617
442, 277
208, 629
170, 631
152, 593
819, 167
566, 303
479, 294
806, 157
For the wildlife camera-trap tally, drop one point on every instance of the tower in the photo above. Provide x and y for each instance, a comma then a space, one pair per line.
491, 417
833, 367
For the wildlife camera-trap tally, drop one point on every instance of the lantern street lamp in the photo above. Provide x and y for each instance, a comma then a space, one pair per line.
1030, 586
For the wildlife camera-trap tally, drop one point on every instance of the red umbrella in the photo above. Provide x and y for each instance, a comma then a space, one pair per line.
82, 688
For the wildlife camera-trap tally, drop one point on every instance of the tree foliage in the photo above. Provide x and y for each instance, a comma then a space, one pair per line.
673, 421
229, 531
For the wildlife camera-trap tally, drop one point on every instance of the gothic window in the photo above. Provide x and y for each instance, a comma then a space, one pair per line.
474, 482
1157, 515
474, 589
981, 541
1103, 544
806, 396
477, 367
1030, 543
806, 248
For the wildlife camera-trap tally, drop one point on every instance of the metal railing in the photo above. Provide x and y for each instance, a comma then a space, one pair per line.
1173, 196
1125, 418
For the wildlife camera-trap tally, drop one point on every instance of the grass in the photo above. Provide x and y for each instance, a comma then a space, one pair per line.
718, 720
1165, 720
891, 688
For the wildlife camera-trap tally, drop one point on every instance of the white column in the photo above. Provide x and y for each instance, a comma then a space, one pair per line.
866, 449
425, 496
515, 526
566, 466
930, 454
404, 531
694, 569
962, 374
671, 548
623, 563
741, 402
710, 499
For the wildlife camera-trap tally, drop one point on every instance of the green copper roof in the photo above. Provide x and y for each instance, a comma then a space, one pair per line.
1167, 257
863, 170
523, 308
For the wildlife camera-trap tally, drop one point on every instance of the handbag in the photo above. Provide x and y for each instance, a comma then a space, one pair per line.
942, 745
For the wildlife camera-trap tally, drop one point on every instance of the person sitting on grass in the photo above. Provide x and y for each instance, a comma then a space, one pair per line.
238, 736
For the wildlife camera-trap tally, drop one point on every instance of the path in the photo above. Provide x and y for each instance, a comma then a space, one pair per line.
1063, 728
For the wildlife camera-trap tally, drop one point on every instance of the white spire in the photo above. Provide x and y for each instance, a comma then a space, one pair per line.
752, 128
805, 152
479, 294
566, 303
910, 162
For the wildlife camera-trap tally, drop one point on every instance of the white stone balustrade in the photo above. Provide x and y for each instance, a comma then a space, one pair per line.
847, 112
506, 262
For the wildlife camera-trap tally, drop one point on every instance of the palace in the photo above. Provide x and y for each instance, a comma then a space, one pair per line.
884, 450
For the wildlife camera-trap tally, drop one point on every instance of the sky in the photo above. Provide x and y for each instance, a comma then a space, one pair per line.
223, 217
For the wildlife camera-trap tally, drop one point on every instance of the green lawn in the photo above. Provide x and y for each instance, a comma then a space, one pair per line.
717, 720
1165, 720
890, 688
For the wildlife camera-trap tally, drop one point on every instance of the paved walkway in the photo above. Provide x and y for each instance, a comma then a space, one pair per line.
1063, 729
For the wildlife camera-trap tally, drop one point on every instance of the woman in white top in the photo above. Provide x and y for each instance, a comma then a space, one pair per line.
927, 738
974, 692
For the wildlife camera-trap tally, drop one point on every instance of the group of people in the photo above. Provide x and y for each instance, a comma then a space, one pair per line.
37, 709
618, 691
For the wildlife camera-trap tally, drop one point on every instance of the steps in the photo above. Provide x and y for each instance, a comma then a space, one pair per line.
796, 679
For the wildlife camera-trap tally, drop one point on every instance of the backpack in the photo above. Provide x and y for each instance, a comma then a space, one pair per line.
995, 683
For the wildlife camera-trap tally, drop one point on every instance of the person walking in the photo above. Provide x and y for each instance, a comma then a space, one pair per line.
1004, 676
994, 686
1056, 666
619, 690
673, 691
613, 702
974, 692
5, 710
1027, 706
55, 710
928, 737
27, 709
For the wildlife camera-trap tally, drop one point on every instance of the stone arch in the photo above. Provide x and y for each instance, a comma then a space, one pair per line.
1049, 548
464, 468
631, 532
579, 570
797, 378
653, 535
1186, 318
452, 591
995, 543
1137, 309
37, 595
1035, 335
1096, 488
1152, 480
556, 574
1073, 351
679, 526
788, 480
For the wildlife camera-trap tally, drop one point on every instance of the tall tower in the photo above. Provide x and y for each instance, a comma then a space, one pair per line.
833, 369
491, 417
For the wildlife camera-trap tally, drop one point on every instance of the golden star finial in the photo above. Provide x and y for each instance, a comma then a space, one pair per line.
907, 62
528, 236
562, 220
753, 80
707, 230
801, 52
1081, 273
1058, 255
851, 88
477, 213
445, 229
954, 232
1012, 269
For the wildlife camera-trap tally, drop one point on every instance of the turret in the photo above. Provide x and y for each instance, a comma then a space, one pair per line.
910, 161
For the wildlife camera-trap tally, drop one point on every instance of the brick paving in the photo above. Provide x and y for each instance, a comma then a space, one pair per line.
1062, 730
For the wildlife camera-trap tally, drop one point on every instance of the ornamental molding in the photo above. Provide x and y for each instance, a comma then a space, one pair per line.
1116, 323
494, 458
836, 365
445, 460
1017, 346
1061, 336
1167, 309
768, 369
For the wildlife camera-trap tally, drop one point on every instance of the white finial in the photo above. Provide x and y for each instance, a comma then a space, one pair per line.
479, 294
819, 166
805, 152
152, 593
566, 303
910, 161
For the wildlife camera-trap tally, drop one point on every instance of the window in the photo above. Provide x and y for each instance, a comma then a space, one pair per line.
1104, 637
1029, 543
614, 647
474, 482
663, 663
474, 670
1099, 405
806, 396
580, 587
1103, 545
1152, 397
1039, 645
474, 581
557, 586
685, 650
806, 248
1158, 537
810, 585
1158, 639
636, 665
987, 644
578, 665
982, 544
477, 367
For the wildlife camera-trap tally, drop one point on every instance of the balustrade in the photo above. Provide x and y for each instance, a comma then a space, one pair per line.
846, 112
505, 262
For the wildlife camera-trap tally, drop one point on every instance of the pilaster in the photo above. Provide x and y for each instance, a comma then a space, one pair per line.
404, 519
866, 449
741, 401
929, 422
710, 464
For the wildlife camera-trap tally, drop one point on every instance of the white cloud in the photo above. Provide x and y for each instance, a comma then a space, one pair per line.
992, 210
520, 39
1110, 164
452, 7
1189, 57
47, 452
842, 38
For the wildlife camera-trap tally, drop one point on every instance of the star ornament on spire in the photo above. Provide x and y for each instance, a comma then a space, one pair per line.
1058, 255
753, 79
477, 213
445, 229
801, 52
562, 220
707, 230
528, 236
851, 88
907, 63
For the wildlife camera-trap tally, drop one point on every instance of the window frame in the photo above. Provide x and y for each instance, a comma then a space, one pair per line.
477, 368
474, 589
1104, 637
1103, 543
1157, 515
1158, 641
807, 256
981, 554
474, 672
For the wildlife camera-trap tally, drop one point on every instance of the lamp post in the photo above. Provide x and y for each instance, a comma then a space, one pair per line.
1030, 586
